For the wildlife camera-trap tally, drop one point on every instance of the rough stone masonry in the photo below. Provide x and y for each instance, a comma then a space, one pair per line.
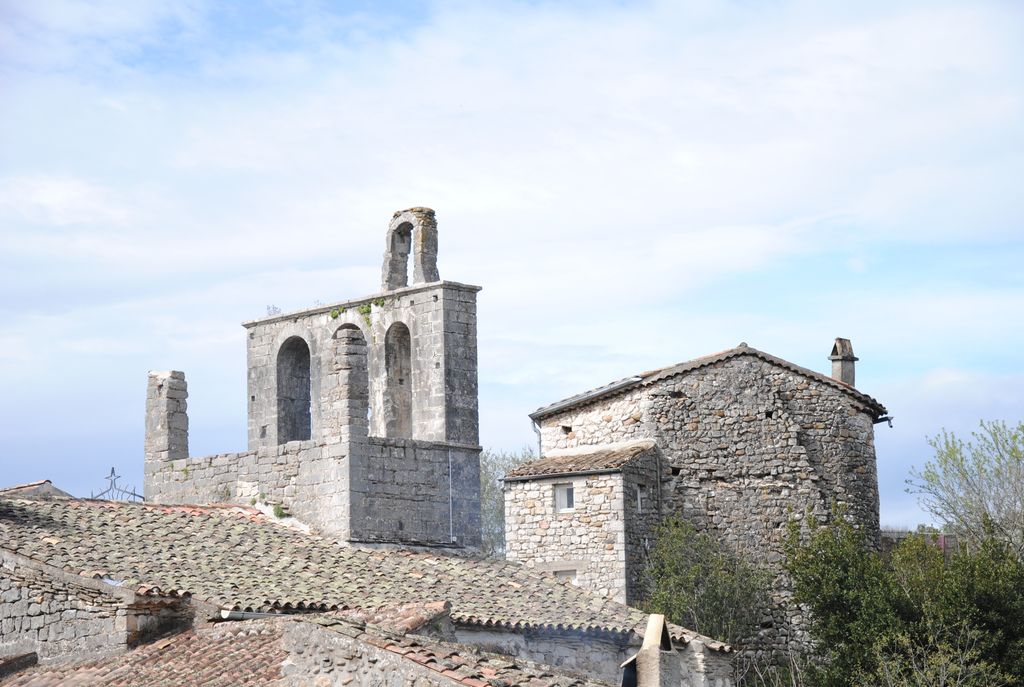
744, 443
363, 415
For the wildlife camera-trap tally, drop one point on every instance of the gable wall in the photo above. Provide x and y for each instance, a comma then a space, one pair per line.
609, 420
748, 445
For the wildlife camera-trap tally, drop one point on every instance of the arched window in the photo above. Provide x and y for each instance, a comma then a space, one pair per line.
350, 404
293, 391
398, 382
411, 231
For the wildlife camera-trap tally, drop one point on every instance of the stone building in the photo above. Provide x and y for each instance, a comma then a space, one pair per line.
362, 414
738, 443
363, 426
586, 513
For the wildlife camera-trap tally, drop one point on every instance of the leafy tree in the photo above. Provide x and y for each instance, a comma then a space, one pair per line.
911, 619
701, 584
494, 465
947, 658
851, 596
977, 487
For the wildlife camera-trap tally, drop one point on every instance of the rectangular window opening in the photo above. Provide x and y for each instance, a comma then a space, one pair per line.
641, 498
565, 498
566, 575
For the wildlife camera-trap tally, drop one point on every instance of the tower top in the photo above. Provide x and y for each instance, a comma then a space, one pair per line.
413, 230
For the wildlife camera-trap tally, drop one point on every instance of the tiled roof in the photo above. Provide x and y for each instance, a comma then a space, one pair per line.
250, 653
238, 558
652, 376
229, 655
586, 459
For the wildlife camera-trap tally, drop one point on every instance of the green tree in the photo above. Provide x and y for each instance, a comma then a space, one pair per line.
494, 465
701, 584
977, 487
851, 596
911, 619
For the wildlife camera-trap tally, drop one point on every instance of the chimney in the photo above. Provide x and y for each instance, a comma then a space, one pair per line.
842, 361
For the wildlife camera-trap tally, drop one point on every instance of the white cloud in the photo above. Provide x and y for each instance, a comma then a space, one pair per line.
59, 201
627, 183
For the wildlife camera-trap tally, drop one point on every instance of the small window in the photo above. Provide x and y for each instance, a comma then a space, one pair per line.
641, 498
566, 575
564, 498
566, 429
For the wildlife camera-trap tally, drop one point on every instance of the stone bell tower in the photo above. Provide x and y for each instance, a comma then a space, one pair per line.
363, 415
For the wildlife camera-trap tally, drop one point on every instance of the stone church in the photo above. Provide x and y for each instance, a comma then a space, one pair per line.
737, 443
339, 547
363, 414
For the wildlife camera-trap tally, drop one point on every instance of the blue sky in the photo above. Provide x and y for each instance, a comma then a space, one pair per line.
634, 184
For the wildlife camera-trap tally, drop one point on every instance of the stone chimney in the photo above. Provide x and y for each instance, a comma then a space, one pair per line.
166, 416
843, 360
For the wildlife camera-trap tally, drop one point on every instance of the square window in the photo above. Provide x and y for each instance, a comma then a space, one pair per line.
564, 498
566, 575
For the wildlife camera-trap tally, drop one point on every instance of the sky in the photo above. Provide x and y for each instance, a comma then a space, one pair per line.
633, 184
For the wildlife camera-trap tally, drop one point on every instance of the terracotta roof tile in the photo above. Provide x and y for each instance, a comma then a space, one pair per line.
586, 459
240, 559
235, 655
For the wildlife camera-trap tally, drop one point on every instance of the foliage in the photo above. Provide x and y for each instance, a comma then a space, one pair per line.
701, 584
850, 593
911, 619
945, 657
977, 487
364, 309
762, 671
494, 465
279, 511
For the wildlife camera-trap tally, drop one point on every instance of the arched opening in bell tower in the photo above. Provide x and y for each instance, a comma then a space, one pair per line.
398, 382
294, 419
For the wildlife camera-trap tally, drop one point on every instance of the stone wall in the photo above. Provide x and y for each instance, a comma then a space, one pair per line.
373, 490
415, 492
309, 480
641, 503
319, 657
54, 614
748, 445
589, 539
608, 420
597, 655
